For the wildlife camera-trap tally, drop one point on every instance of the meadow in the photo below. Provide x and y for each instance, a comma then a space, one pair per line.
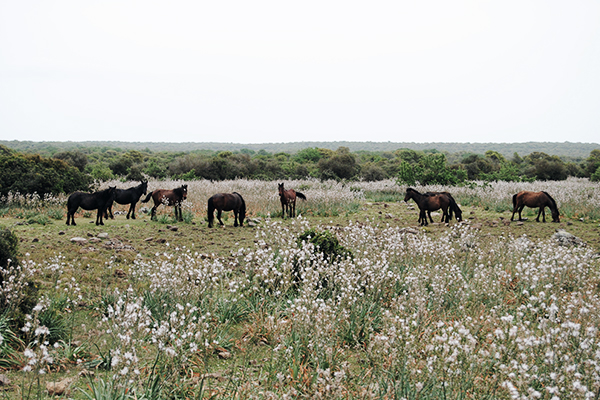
382, 309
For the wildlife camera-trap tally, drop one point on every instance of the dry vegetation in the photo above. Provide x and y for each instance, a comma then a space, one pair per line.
481, 309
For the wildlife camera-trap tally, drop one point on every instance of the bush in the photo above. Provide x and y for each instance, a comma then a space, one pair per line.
325, 242
9, 251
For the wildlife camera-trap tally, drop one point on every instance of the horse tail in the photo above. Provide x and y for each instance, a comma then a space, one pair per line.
147, 198
300, 195
515, 201
211, 212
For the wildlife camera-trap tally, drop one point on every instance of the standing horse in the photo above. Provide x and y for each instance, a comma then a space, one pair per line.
533, 200
89, 201
288, 201
431, 202
227, 202
128, 196
452, 208
168, 197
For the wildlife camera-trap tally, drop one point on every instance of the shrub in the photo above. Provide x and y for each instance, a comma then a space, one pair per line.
325, 242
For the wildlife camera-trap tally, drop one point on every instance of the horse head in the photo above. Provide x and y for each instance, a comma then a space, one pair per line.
409, 194
144, 186
183, 192
555, 215
281, 189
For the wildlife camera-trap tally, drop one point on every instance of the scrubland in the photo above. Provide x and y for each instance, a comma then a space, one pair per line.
481, 309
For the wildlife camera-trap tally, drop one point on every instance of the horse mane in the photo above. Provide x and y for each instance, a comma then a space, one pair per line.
242, 199
551, 199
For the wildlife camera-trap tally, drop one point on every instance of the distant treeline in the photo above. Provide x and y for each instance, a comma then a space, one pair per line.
566, 150
66, 170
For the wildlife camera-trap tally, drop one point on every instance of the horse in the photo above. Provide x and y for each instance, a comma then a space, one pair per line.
533, 200
128, 196
453, 207
288, 201
431, 202
227, 202
89, 201
168, 197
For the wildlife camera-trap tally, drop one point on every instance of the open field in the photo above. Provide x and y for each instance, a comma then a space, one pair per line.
164, 309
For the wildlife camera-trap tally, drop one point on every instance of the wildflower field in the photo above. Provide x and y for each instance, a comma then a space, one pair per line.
379, 308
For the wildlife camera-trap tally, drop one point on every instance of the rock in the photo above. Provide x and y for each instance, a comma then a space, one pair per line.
86, 373
520, 223
174, 228
79, 240
4, 381
59, 388
62, 232
95, 240
119, 273
35, 240
389, 216
412, 231
89, 234
565, 238
102, 235
149, 239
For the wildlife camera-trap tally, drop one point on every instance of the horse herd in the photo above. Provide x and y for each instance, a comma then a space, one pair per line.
103, 200
427, 202
433, 201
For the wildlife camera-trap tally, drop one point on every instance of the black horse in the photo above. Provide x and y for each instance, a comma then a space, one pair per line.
227, 202
128, 196
90, 201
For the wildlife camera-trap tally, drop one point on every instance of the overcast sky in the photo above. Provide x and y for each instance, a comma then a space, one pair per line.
281, 71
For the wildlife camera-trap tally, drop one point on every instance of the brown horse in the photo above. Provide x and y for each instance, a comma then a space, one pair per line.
533, 200
168, 197
227, 202
288, 201
432, 202
452, 208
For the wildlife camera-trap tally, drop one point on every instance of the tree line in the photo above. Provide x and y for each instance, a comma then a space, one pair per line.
77, 169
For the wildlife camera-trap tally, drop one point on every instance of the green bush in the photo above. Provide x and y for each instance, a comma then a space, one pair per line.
9, 249
325, 242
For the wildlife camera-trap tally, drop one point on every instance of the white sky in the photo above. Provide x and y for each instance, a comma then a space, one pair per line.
280, 71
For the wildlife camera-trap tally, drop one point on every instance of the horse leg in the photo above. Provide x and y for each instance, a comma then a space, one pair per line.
293, 207
132, 211
521, 209
543, 212
219, 217
153, 213
178, 207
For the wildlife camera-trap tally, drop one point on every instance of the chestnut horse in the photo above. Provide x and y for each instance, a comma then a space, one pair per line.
453, 207
128, 196
227, 202
90, 201
288, 201
533, 200
432, 202
168, 197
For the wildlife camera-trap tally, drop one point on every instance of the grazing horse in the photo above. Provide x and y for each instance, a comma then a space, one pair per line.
288, 201
89, 201
431, 202
168, 197
128, 196
453, 207
533, 200
227, 202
